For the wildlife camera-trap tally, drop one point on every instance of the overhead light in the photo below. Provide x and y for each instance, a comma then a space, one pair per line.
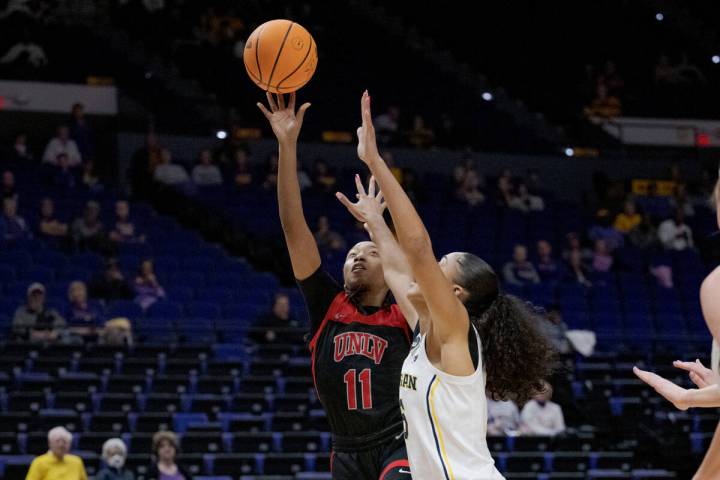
659, 17
569, 152
715, 59
221, 134
487, 96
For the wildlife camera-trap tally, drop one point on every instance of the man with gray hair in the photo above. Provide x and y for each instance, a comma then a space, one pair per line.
57, 463
114, 454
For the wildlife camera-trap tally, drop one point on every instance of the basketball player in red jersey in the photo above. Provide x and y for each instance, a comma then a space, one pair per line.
359, 339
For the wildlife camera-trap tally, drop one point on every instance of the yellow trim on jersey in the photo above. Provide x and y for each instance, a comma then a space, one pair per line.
437, 428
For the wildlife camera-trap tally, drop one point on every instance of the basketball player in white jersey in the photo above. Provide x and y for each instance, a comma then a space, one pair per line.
470, 337
706, 379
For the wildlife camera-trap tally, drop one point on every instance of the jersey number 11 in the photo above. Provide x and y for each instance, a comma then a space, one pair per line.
351, 388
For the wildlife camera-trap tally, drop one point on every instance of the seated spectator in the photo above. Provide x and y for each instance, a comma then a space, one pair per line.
57, 463
125, 231
64, 176
645, 235
628, 219
680, 200
242, 173
460, 171
117, 332
469, 190
555, 330
83, 318
35, 321
88, 231
90, 180
577, 271
20, 149
603, 230
526, 202
602, 258
13, 227
546, 266
542, 417
520, 271
168, 173
147, 288
8, 188
506, 194
80, 131
111, 285
114, 455
205, 174
165, 447
271, 172
675, 234
326, 238
573, 243
49, 225
280, 315
323, 178
62, 144
603, 105
420, 136
503, 417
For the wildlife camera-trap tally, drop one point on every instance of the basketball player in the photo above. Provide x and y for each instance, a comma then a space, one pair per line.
359, 340
707, 380
470, 337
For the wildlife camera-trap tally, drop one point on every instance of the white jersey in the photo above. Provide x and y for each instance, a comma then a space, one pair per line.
445, 420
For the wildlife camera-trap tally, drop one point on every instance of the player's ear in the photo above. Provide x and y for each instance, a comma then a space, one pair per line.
458, 291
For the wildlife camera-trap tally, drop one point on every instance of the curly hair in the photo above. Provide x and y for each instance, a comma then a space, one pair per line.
517, 358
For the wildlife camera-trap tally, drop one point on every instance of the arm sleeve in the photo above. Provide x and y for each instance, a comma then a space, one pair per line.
319, 291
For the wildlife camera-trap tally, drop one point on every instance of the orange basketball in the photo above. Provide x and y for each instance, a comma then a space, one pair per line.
280, 56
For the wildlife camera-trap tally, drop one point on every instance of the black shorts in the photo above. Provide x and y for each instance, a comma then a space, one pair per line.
388, 461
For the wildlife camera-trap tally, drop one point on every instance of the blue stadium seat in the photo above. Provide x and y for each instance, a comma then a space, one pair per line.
207, 310
164, 309
124, 308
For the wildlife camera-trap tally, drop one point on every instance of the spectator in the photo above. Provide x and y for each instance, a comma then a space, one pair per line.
387, 125
13, 227
645, 235
506, 195
89, 178
271, 172
49, 225
323, 178
64, 176
20, 148
628, 219
603, 105
242, 174
573, 243
680, 200
520, 271
280, 315
469, 190
57, 463
83, 318
62, 143
125, 231
8, 185
88, 231
542, 417
35, 321
326, 238
114, 454
547, 267
675, 234
525, 202
117, 332
461, 169
206, 174
603, 230
80, 131
420, 136
503, 417
111, 285
147, 288
165, 448
143, 165
169, 173
555, 330
577, 271
602, 258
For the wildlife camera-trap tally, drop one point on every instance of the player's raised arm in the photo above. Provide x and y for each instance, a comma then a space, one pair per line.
369, 209
286, 125
450, 318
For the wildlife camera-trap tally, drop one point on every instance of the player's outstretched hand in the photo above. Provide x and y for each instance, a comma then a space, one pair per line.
367, 204
367, 143
699, 374
284, 121
672, 393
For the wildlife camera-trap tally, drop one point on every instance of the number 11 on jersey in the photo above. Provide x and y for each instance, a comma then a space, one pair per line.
351, 388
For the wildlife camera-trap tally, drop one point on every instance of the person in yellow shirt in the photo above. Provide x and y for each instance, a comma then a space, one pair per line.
57, 463
628, 219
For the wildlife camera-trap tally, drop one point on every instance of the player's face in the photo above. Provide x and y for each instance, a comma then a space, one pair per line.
363, 267
449, 265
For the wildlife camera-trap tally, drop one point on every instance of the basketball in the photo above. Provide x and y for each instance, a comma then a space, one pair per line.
280, 56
